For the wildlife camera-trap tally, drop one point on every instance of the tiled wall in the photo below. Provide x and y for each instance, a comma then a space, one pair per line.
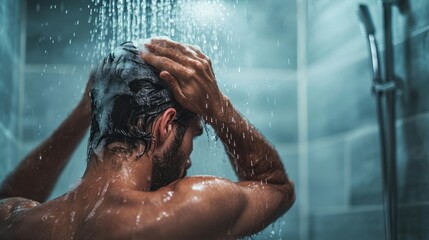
345, 183
55, 74
10, 23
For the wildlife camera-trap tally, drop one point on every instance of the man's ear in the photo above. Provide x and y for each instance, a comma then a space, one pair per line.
163, 126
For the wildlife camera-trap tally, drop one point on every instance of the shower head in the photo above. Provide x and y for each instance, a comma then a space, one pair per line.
366, 20
369, 32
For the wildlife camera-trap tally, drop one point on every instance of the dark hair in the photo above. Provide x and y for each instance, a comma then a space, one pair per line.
127, 96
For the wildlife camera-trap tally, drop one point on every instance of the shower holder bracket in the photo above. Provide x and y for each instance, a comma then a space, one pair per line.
383, 87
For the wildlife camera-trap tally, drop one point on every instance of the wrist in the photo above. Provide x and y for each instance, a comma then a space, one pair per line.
220, 112
83, 109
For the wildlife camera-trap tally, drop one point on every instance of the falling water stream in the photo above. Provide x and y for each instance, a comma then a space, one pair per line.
208, 24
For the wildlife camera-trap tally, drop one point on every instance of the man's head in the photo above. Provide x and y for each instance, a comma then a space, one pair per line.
132, 105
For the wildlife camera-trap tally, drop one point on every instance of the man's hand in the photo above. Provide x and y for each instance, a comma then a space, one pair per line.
189, 74
265, 190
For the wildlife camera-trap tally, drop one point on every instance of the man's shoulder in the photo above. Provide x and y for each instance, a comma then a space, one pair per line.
183, 195
203, 180
210, 195
176, 209
10, 211
10, 206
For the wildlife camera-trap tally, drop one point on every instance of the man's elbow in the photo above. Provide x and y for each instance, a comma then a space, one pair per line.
288, 195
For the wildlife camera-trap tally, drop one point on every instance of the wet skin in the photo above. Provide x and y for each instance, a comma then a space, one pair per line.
114, 199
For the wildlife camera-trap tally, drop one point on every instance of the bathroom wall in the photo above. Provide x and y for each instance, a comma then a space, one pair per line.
57, 66
345, 184
10, 35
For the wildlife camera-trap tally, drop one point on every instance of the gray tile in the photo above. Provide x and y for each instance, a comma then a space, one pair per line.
50, 28
334, 30
9, 73
8, 91
49, 98
267, 34
365, 169
411, 61
348, 225
339, 98
413, 222
414, 17
413, 163
369, 224
10, 14
326, 175
270, 105
8, 153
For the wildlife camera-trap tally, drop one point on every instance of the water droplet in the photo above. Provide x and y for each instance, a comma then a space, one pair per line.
138, 219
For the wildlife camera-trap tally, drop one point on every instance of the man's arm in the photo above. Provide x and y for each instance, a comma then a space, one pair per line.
38, 172
264, 190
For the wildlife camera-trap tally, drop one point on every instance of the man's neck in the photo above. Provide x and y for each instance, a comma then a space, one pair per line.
121, 170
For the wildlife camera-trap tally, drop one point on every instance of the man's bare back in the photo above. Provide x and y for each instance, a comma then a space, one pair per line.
116, 198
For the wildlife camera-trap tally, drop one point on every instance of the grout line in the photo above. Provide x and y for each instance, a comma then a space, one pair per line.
302, 111
21, 83
318, 67
347, 172
341, 62
415, 204
358, 132
9, 135
336, 210
402, 121
55, 68
416, 32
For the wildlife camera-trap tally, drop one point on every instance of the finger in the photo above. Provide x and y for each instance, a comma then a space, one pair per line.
171, 54
165, 64
204, 58
173, 83
199, 53
195, 63
177, 47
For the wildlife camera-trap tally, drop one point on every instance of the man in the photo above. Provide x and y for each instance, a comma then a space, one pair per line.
134, 186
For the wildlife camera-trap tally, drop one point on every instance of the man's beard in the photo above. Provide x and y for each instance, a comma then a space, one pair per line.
168, 167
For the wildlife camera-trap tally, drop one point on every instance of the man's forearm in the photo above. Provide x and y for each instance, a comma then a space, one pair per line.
253, 158
37, 174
